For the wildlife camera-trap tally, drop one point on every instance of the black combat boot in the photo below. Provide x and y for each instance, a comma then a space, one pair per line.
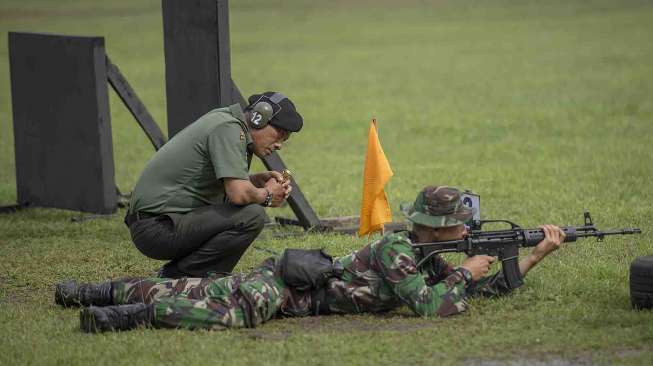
170, 270
119, 317
70, 293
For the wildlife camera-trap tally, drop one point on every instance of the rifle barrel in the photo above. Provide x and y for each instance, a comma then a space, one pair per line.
626, 231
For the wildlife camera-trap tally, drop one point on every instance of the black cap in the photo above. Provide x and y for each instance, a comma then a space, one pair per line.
285, 115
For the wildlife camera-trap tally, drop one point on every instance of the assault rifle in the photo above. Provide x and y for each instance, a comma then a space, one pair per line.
505, 244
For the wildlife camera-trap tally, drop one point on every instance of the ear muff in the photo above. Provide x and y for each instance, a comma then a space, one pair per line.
263, 110
262, 113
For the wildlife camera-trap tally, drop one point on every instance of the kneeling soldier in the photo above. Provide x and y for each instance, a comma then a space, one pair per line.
195, 204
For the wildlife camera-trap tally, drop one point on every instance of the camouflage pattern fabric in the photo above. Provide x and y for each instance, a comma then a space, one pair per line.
208, 303
379, 277
437, 206
383, 275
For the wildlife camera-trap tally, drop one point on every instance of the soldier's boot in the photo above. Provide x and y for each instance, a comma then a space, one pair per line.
70, 293
119, 317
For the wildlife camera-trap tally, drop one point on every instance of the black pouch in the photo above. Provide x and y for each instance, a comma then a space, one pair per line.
306, 269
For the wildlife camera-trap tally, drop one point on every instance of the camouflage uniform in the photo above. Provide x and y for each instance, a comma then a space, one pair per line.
379, 277
383, 275
210, 303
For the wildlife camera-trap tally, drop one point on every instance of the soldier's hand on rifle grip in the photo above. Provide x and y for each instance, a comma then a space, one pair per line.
478, 265
553, 239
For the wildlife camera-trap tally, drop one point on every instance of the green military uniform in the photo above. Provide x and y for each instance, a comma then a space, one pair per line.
179, 211
183, 175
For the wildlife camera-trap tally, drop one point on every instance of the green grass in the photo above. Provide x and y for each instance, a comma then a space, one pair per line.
544, 108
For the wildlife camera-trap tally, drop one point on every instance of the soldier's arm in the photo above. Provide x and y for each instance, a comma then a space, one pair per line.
489, 286
242, 191
397, 263
437, 270
259, 179
495, 285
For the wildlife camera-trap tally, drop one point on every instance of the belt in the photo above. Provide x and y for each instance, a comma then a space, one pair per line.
133, 217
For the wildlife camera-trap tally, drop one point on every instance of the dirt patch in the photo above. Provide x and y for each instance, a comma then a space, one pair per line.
582, 358
337, 324
626, 353
16, 296
261, 335
14, 291
532, 362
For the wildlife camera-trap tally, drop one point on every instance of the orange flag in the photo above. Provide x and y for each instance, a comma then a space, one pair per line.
375, 210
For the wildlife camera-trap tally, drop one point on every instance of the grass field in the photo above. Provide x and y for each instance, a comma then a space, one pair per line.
545, 108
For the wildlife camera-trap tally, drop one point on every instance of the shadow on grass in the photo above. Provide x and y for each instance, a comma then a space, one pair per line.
283, 328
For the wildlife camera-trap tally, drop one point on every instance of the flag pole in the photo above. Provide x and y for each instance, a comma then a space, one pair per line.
377, 130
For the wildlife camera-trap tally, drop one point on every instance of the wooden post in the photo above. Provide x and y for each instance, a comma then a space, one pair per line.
62, 126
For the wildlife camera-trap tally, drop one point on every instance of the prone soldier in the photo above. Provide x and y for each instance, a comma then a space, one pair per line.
379, 277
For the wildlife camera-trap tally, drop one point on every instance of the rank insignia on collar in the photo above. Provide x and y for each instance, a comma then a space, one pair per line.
242, 136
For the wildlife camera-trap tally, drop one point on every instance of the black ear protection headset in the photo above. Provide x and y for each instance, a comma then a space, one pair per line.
264, 109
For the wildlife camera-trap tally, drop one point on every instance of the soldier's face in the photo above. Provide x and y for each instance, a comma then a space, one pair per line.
451, 233
268, 139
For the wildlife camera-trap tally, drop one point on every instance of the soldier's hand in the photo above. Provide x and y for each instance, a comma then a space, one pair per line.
276, 175
287, 188
553, 239
478, 265
278, 192
285, 183
259, 179
286, 178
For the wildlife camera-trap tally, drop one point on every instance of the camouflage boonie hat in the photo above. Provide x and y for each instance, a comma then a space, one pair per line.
437, 206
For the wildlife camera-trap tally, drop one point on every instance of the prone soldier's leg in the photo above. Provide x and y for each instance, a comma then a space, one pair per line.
229, 311
231, 302
128, 290
146, 290
236, 301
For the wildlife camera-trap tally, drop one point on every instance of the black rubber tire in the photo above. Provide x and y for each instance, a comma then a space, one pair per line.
641, 300
642, 266
641, 286
641, 282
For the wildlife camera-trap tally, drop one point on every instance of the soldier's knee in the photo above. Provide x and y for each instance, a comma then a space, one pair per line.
253, 217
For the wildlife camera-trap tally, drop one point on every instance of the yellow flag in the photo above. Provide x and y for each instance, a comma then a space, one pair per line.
375, 210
